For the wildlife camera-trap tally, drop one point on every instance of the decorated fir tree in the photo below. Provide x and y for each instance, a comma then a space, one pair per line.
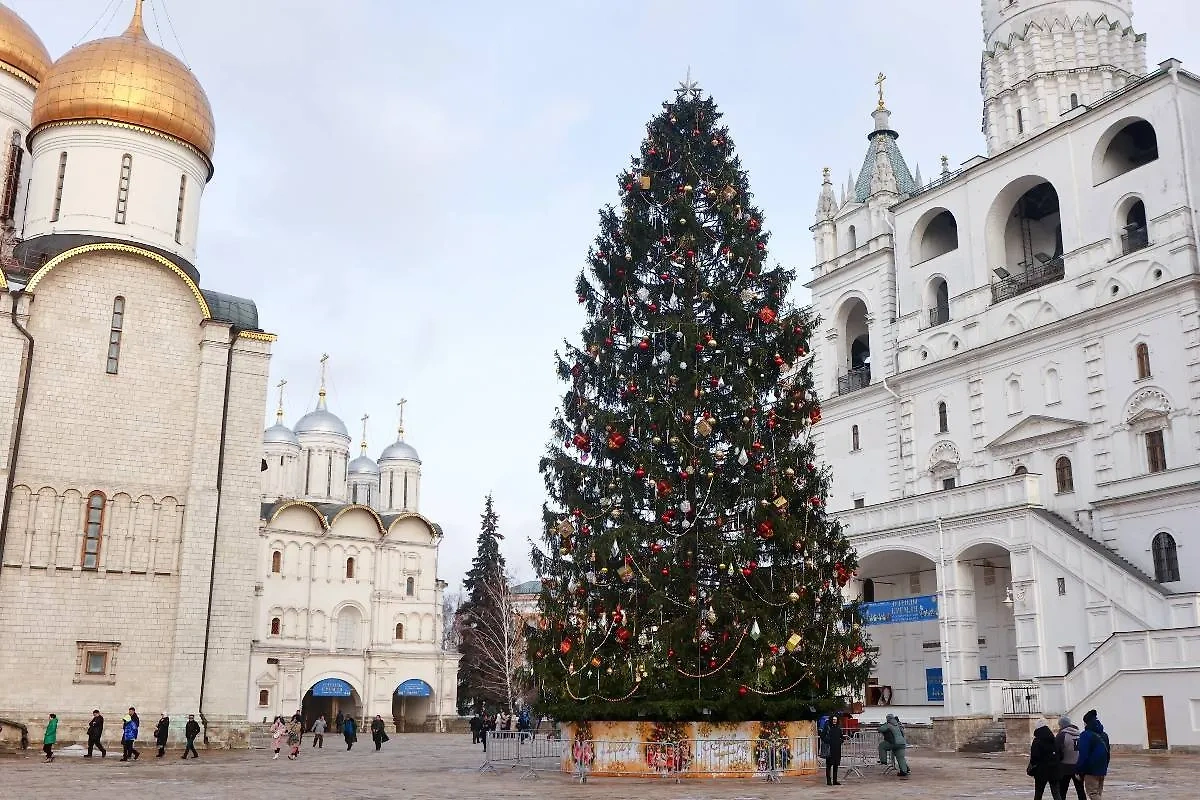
689, 569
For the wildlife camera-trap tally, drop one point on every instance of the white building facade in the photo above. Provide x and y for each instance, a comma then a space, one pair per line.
348, 606
1010, 356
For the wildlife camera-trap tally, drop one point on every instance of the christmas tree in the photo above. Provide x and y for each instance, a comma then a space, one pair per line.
689, 569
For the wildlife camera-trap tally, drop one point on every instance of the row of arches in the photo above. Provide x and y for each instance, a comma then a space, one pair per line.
348, 626
322, 561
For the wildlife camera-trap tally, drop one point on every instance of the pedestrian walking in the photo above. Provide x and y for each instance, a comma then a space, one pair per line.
378, 732
50, 737
278, 736
1043, 763
190, 732
892, 741
1067, 745
294, 730
476, 728
350, 731
161, 731
1094, 754
338, 721
129, 733
831, 737
95, 730
318, 730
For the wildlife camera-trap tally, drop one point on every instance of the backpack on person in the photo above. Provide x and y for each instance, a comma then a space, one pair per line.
1070, 745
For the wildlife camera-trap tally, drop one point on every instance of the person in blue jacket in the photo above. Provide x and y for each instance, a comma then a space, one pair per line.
1094, 754
129, 734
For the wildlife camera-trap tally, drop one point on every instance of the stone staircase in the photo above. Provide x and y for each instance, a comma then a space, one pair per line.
989, 740
1073, 530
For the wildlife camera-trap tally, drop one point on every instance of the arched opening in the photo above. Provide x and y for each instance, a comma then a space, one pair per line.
938, 301
411, 703
1142, 353
410, 587
1012, 395
326, 698
943, 418
1064, 478
868, 591
857, 348
1053, 387
276, 626
1135, 233
349, 629
1025, 236
1166, 558
854, 443
852, 238
1134, 144
1074, 100
399, 631
349, 568
938, 236
264, 697
276, 562
987, 568
1021, 470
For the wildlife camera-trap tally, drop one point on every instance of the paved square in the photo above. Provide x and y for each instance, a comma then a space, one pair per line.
421, 766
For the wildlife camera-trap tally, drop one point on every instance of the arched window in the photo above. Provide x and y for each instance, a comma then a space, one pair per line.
943, 419
1074, 100
349, 624
1024, 238
854, 445
12, 178
1135, 232
277, 562
93, 530
399, 631
264, 697
349, 567
1142, 352
939, 302
868, 592
1020, 120
123, 187
1166, 559
1021, 470
1133, 146
276, 625
410, 587
855, 347
58, 191
938, 236
1053, 387
852, 238
1013, 396
114, 335
179, 210
1063, 477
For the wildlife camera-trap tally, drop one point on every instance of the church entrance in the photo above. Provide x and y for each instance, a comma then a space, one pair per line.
327, 698
411, 703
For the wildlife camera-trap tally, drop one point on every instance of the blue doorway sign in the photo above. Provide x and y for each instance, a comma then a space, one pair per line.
414, 687
331, 687
933, 685
923, 608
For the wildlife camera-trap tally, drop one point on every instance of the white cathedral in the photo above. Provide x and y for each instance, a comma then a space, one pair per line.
153, 552
1010, 354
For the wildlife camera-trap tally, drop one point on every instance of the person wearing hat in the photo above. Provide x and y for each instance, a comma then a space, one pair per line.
1043, 763
832, 739
1094, 754
891, 739
1066, 742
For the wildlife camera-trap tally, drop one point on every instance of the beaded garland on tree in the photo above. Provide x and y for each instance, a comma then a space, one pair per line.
689, 569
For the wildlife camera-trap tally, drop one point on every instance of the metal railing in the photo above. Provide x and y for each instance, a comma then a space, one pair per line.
938, 316
1134, 239
1022, 699
1033, 277
854, 380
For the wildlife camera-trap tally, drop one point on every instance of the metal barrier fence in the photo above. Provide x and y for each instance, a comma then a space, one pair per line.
530, 754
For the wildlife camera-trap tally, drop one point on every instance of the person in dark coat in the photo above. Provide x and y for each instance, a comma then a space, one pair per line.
378, 732
1044, 763
95, 730
130, 725
350, 731
190, 732
832, 738
338, 721
161, 731
476, 729
1094, 754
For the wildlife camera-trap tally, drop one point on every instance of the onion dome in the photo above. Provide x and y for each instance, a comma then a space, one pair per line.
399, 450
127, 79
322, 420
363, 466
280, 434
21, 50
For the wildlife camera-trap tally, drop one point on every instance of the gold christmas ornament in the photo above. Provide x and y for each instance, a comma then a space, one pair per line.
781, 502
644, 181
704, 427
625, 572
795, 598
793, 642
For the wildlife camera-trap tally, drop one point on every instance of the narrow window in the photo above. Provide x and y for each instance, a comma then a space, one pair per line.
1166, 559
264, 697
308, 473
391, 491
354, 497
399, 631
868, 592
1014, 396
58, 192
276, 562
123, 187
93, 530
852, 236
943, 419
1143, 360
1021, 470
1074, 100
1063, 476
949, 483
349, 567
275, 626
12, 178
1156, 453
406, 490
410, 587
1020, 121
179, 211
114, 335
860, 502
329, 475
854, 445
1062, 587
1070, 654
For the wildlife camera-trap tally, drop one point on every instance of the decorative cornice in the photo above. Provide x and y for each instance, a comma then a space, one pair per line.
258, 336
70, 123
121, 248
20, 74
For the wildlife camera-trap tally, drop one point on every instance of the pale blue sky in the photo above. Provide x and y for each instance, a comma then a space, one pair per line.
412, 187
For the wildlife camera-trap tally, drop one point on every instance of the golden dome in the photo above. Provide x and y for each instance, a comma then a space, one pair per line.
21, 51
127, 79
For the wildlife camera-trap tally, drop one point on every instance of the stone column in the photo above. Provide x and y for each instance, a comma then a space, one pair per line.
959, 633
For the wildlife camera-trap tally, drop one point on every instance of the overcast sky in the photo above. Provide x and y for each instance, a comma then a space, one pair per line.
412, 187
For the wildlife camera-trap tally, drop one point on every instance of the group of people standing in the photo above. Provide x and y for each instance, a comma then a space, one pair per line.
501, 721
291, 731
130, 726
1070, 757
891, 741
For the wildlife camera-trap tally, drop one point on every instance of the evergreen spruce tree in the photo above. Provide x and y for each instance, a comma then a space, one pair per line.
690, 570
484, 583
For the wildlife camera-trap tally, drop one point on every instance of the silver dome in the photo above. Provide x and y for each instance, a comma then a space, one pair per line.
322, 421
280, 434
399, 450
363, 465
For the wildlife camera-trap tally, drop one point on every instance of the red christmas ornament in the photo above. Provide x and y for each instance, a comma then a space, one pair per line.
767, 315
581, 441
712, 663
565, 647
663, 487
778, 360
616, 441
691, 254
742, 690
666, 571
644, 344
747, 572
800, 351
620, 273
664, 276
582, 299
765, 529
639, 473
758, 446
814, 416
762, 246
670, 654
623, 635
753, 224
714, 382
656, 548
608, 342
629, 187
652, 307
815, 502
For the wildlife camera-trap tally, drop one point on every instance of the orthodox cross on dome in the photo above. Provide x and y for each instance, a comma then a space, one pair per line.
401, 406
688, 87
136, 27
321, 392
279, 411
879, 82
365, 417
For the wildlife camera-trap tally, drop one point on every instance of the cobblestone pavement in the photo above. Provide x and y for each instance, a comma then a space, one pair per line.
429, 766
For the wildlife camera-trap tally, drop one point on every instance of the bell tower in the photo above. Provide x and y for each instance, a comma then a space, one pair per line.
1042, 58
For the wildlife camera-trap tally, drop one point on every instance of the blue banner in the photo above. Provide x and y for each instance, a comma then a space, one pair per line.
922, 608
933, 685
414, 687
331, 687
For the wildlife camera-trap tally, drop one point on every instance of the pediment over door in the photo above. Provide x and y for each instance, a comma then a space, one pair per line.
1037, 432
